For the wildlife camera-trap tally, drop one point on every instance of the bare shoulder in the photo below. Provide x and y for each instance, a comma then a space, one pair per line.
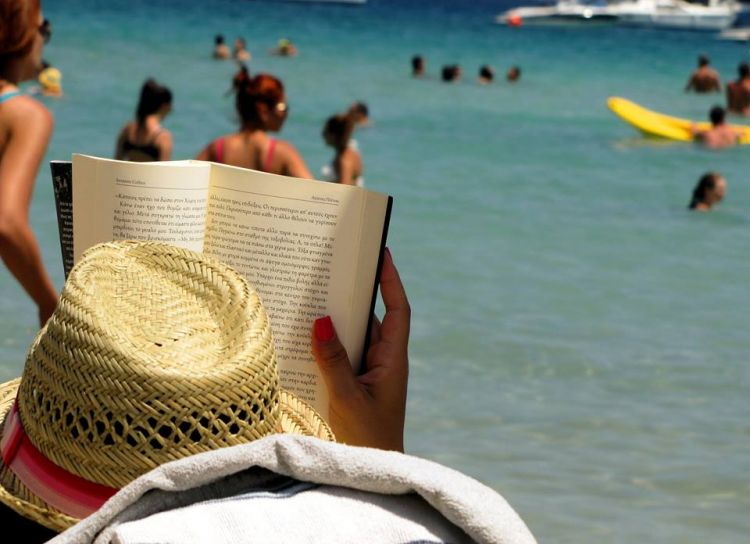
163, 134
27, 110
286, 149
27, 118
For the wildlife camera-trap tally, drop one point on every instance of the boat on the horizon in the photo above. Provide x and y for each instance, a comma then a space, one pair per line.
712, 15
353, 2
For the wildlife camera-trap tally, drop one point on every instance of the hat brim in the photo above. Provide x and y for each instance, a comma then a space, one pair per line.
297, 417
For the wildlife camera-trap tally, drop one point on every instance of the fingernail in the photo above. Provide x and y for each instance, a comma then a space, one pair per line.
388, 253
324, 329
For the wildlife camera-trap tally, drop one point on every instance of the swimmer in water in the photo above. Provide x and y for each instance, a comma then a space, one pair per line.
285, 48
221, 50
720, 134
704, 79
708, 192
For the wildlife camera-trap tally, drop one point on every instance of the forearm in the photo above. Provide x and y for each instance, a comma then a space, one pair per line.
20, 253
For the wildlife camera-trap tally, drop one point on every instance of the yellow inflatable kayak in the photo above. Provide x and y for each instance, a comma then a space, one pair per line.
658, 125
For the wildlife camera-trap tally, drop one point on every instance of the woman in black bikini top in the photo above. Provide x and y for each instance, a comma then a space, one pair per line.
144, 139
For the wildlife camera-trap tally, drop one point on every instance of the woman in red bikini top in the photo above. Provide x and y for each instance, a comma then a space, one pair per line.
261, 105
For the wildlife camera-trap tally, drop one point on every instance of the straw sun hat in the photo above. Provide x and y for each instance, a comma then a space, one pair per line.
154, 353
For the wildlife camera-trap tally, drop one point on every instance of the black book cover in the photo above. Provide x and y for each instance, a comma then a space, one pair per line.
62, 183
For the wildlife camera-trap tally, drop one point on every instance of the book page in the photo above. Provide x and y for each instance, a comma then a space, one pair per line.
301, 244
117, 200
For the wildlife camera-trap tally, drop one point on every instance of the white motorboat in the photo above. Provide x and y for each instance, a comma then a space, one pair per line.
564, 11
713, 15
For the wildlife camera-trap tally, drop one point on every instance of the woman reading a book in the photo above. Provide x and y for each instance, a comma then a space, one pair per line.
262, 108
144, 139
25, 130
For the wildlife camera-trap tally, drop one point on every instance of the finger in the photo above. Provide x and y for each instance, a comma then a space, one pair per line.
395, 326
332, 359
374, 330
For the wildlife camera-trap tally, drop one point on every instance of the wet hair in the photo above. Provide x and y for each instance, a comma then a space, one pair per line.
417, 63
450, 72
360, 108
153, 97
717, 115
254, 91
19, 24
242, 42
485, 72
340, 127
219, 39
706, 183
703, 60
743, 69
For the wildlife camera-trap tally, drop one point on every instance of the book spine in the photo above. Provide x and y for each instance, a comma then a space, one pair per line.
62, 183
386, 223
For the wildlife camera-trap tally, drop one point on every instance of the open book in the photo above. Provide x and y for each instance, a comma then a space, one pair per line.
310, 248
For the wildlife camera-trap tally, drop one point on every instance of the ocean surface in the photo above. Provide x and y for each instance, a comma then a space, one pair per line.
580, 341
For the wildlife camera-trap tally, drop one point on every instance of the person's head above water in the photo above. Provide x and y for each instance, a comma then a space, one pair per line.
451, 72
486, 74
717, 114
154, 98
219, 39
261, 103
743, 70
417, 65
708, 192
703, 60
514, 74
359, 113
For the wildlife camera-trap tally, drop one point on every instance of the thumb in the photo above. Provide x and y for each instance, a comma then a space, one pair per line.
332, 359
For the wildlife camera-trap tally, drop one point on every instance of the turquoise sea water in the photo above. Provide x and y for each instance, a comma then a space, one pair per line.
580, 341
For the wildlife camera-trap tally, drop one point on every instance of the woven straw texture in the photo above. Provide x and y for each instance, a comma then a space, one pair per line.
13, 493
154, 353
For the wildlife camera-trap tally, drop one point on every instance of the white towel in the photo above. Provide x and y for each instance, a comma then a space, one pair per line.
292, 488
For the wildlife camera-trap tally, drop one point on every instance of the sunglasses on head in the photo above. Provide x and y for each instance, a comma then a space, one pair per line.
45, 30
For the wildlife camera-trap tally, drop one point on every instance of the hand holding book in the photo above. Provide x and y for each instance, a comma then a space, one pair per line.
369, 409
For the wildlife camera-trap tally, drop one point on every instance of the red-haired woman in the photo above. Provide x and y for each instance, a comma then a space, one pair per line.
262, 108
25, 130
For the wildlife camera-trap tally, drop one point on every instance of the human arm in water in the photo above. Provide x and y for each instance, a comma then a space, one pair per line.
30, 131
370, 409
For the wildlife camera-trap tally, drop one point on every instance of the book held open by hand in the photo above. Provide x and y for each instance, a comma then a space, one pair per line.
310, 248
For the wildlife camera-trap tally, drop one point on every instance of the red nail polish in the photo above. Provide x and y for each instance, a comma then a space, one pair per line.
324, 329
